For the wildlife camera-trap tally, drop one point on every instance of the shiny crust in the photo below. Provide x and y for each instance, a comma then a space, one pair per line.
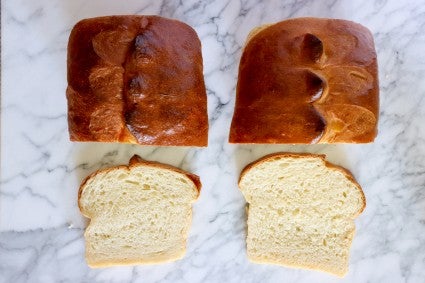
136, 161
346, 172
307, 80
136, 79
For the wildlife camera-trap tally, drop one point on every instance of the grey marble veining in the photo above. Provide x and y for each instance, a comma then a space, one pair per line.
41, 227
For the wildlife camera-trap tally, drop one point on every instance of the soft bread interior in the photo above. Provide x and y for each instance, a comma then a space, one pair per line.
138, 215
301, 212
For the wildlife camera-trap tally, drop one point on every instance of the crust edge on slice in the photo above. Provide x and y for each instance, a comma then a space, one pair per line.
135, 161
345, 171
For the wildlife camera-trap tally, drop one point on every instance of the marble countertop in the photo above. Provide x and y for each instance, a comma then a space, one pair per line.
41, 229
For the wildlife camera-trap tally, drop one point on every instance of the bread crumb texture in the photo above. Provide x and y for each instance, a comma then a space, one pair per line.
301, 212
139, 214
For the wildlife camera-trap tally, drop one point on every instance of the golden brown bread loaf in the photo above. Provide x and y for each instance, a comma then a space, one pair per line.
307, 80
136, 79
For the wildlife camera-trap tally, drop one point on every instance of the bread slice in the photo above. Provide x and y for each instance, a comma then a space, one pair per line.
139, 213
301, 211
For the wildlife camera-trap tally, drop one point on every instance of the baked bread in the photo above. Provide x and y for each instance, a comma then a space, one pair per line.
139, 213
301, 211
307, 80
136, 79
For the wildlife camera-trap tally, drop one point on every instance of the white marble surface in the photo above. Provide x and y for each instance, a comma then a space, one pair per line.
41, 227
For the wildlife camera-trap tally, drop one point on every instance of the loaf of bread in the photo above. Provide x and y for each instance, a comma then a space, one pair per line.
136, 79
307, 80
301, 212
139, 214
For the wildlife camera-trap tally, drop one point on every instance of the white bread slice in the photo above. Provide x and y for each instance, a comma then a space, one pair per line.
140, 213
301, 212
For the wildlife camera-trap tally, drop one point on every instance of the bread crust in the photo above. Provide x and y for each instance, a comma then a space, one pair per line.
135, 262
136, 79
322, 157
284, 96
137, 161
295, 265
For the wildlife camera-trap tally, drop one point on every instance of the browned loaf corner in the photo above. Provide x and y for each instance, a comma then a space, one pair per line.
136, 79
307, 80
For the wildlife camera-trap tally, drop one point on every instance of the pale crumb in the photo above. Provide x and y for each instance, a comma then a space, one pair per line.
301, 213
141, 215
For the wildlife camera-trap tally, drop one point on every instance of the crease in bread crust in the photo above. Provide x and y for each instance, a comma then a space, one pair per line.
139, 214
295, 222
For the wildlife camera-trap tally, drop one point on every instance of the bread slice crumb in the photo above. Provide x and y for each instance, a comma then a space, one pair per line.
139, 214
301, 212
